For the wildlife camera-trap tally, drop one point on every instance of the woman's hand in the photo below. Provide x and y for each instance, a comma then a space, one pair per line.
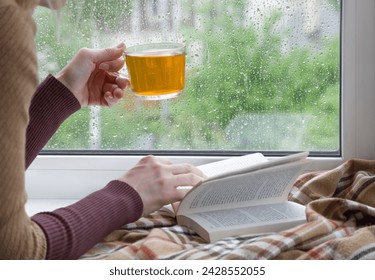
157, 181
92, 76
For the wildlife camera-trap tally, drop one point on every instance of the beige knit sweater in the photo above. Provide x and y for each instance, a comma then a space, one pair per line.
20, 238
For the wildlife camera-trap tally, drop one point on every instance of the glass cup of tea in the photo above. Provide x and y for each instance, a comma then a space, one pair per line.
156, 70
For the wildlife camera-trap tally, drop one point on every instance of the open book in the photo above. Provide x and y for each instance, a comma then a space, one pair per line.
244, 195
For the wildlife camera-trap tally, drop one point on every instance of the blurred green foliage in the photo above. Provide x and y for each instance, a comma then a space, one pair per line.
241, 72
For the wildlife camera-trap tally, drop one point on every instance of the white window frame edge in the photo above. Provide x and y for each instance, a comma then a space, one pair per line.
358, 77
72, 177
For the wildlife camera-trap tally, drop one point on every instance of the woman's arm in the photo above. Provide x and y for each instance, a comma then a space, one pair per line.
51, 104
73, 230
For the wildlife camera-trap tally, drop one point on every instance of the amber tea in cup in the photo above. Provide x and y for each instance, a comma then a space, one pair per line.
156, 71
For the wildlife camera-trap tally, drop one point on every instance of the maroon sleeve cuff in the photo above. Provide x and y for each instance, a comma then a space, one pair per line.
71, 231
51, 105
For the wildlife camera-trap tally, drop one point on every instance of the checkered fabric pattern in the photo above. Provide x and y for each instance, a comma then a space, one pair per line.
340, 209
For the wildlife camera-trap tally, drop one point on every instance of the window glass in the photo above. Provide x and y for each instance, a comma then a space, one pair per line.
261, 75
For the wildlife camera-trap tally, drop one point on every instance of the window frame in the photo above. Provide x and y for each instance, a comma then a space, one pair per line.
73, 176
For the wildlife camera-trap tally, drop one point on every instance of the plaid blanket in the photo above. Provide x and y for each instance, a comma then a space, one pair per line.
340, 209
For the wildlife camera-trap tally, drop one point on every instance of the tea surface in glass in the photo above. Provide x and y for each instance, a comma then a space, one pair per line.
156, 71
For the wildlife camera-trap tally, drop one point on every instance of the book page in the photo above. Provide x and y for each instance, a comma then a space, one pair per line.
233, 165
260, 214
261, 219
246, 163
270, 185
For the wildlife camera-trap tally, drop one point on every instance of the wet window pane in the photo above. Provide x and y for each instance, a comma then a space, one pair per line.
261, 75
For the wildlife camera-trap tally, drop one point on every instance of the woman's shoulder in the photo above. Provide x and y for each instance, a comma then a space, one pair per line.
17, 50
